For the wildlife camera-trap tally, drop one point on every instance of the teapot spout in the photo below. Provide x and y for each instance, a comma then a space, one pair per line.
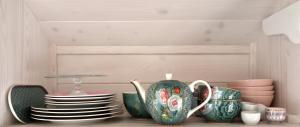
140, 90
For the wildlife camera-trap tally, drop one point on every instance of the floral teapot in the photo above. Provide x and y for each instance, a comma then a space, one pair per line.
169, 101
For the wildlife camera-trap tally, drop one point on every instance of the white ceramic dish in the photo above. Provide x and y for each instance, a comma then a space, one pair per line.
73, 109
248, 106
72, 116
74, 120
262, 109
79, 99
78, 96
74, 112
250, 117
79, 104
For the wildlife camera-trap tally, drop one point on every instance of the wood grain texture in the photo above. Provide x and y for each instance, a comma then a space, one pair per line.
23, 52
152, 50
278, 59
124, 10
170, 32
292, 58
215, 63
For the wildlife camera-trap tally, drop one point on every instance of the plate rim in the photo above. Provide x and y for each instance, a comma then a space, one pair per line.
74, 112
78, 104
74, 116
72, 120
79, 96
62, 109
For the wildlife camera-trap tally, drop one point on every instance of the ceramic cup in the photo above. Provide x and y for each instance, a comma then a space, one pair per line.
250, 117
221, 110
133, 105
248, 106
274, 114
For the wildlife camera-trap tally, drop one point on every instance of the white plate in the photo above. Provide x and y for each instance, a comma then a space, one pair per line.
73, 116
73, 120
79, 96
80, 104
79, 99
73, 109
77, 102
75, 112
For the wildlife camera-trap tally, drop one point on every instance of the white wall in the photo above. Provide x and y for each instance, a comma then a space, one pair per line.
23, 51
279, 59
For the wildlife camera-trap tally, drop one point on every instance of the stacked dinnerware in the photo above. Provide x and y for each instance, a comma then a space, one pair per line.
255, 90
224, 105
64, 108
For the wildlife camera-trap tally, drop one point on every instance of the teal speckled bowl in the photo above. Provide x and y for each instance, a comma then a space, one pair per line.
133, 105
221, 110
219, 93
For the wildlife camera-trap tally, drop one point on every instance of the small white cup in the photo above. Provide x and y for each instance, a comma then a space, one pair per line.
248, 106
250, 117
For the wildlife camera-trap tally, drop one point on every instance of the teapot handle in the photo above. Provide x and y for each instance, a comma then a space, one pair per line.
192, 87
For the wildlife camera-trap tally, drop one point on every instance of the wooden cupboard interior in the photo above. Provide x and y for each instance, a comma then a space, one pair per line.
214, 40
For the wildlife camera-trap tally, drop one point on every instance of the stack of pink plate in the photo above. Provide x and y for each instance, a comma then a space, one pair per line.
255, 90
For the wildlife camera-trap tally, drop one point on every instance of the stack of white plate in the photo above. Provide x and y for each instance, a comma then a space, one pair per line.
77, 108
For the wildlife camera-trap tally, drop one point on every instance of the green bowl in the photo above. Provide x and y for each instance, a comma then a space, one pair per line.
221, 110
219, 93
133, 105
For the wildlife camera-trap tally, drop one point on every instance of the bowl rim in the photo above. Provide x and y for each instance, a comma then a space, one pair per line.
276, 109
229, 88
247, 80
248, 103
250, 87
251, 112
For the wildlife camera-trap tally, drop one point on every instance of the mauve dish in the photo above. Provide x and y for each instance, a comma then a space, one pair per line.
261, 88
251, 83
265, 100
256, 93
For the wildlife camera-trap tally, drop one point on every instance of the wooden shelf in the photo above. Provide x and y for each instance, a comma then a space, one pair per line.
130, 122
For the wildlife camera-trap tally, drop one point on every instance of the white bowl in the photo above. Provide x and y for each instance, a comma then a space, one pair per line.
250, 117
248, 106
262, 109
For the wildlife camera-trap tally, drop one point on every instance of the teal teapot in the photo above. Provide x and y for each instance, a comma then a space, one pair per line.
169, 101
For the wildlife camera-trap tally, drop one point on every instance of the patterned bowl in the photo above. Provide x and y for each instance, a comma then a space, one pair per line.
219, 93
133, 105
274, 114
221, 110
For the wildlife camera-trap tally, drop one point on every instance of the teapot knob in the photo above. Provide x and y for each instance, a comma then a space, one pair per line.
169, 76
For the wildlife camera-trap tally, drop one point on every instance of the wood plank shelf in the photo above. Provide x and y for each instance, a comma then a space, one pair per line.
125, 121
